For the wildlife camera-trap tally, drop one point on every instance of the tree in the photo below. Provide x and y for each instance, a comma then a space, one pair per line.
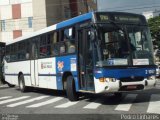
154, 24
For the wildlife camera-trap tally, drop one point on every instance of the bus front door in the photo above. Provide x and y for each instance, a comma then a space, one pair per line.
85, 60
34, 63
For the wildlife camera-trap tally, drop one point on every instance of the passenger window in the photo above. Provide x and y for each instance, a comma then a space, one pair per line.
68, 37
43, 49
21, 53
54, 43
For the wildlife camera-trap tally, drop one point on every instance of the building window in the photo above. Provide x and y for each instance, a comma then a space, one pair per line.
16, 11
30, 22
3, 25
17, 33
67, 12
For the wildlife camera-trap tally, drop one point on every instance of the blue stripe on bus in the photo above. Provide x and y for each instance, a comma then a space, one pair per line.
72, 21
59, 83
122, 73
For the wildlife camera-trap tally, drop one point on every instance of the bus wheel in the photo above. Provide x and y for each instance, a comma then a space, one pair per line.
71, 90
22, 86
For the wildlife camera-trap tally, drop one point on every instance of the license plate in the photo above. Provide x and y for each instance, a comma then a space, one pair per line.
132, 87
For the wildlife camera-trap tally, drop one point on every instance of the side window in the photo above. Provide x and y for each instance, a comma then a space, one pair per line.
13, 55
45, 47
7, 57
54, 37
68, 38
49, 45
43, 50
28, 50
21, 51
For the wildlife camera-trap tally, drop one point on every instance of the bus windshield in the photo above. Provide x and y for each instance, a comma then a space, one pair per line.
127, 45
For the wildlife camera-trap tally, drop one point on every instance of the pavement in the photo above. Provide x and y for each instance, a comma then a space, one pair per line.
40, 102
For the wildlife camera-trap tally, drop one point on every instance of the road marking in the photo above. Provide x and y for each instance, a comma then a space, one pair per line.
26, 101
14, 99
154, 105
93, 105
2, 86
126, 103
65, 105
45, 102
1, 98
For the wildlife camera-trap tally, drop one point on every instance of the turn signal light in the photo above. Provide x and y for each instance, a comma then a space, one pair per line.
102, 79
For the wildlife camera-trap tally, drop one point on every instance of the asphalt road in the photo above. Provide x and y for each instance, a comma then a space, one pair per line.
49, 102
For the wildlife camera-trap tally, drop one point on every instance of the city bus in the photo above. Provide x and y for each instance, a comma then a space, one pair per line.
97, 52
2, 51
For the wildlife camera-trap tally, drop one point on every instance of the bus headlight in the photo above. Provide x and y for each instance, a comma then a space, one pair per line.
102, 79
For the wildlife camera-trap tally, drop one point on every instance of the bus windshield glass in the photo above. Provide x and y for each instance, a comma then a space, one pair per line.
123, 45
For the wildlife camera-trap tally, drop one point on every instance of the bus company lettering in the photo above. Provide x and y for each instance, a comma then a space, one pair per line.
60, 65
45, 65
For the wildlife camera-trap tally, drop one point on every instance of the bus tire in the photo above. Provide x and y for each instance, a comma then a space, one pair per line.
71, 90
22, 86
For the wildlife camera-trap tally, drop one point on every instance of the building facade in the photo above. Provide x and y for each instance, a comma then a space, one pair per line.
22, 17
16, 18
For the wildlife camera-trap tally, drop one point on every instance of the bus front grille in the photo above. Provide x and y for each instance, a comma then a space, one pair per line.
131, 79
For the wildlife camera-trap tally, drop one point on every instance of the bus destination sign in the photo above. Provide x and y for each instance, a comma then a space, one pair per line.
118, 18
127, 18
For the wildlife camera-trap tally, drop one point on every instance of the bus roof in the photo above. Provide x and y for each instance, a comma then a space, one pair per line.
60, 25
69, 22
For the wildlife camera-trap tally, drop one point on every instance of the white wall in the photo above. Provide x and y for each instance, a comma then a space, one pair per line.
7, 36
6, 12
27, 32
4, 2
19, 1
7, 2
27, 10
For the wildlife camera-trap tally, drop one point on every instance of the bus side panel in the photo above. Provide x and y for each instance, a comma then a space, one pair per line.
47, 73
13, 69
66, 64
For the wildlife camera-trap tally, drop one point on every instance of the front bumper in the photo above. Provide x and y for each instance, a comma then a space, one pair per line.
118, 86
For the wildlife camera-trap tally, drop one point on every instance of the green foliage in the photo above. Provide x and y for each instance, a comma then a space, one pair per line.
154, 24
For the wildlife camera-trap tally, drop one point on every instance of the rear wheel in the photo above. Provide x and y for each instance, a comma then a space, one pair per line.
22, 86
71, 90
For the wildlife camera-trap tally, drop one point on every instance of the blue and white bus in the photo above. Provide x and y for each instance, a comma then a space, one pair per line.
98, 52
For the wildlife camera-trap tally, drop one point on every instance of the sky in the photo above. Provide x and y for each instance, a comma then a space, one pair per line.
135, 6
